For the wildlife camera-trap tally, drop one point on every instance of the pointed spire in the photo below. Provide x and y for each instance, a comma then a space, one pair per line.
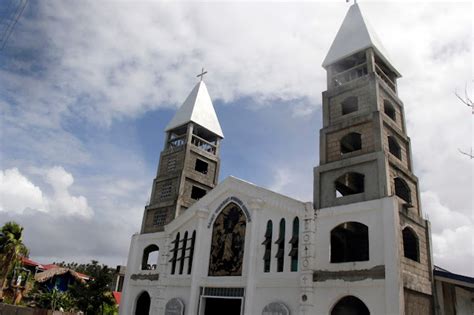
354, 35
197, 108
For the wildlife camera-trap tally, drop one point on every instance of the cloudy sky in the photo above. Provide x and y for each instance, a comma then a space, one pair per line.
87, 87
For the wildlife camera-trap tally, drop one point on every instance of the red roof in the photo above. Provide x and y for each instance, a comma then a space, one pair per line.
29, 262
117, 296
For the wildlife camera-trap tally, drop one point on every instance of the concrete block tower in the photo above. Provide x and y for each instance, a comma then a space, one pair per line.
189, 163
365, 151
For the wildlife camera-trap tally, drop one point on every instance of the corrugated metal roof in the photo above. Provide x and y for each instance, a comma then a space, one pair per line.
199, 109
354, 35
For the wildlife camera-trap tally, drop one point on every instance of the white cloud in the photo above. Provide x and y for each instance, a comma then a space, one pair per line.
17, 193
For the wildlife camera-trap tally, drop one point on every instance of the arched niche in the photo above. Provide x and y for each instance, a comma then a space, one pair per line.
228, 242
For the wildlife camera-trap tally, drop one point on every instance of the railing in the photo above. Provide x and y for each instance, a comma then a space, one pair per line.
177, 142
203, 144
350, 74
385, 78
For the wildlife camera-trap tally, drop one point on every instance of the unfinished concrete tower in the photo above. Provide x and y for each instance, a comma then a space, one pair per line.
364, 148
189, 163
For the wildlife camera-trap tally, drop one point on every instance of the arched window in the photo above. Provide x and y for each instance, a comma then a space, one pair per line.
349, 184
228, 242
349, 105
174, 256
280, 256
394, 148
294, 244
182, 258
410, 244
349, 242
268, 247
143, 304
402, 189
389, 110
191, 252
350, 305
351, 142
150, 257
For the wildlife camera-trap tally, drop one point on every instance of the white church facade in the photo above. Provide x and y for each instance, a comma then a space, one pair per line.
233, 248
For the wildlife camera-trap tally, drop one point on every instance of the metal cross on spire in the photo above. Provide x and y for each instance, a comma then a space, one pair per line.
202, 74
355, 1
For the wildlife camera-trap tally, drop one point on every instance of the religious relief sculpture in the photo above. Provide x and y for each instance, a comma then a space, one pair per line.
228, 241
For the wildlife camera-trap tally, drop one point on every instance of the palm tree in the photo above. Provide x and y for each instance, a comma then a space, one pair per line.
11, 249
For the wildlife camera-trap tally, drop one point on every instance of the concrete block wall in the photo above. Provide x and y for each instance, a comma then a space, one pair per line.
365, 100
208, 179
417, 303
402, 142
417, 276
411, 182
333, 139
171, 161
396, 103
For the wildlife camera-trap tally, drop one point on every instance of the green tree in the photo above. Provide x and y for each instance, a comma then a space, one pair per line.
11, 249
94, 296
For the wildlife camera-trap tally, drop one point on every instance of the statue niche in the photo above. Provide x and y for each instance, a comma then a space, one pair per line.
228, 241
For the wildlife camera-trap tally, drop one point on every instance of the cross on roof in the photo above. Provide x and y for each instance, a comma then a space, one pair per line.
355, 1
202, 74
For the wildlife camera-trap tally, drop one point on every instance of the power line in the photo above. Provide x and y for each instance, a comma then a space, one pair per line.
9, 29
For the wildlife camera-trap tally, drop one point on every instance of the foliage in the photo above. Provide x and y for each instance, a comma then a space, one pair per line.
54, 300
93, 296
11, 249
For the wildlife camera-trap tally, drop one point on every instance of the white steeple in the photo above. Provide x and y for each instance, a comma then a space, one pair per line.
355, 35
197, 108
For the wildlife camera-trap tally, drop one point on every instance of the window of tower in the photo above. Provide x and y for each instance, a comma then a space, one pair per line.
150, 257
350, 242
402, 189
166, 189
351, 142
197, 193
349, 184
349, 105
201, 166
410, 244
394, 148
171, 164
159, 217
389, 110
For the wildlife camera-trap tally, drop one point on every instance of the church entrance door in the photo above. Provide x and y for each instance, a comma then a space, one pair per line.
219, 306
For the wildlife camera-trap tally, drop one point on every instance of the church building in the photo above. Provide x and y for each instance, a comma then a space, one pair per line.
233, 248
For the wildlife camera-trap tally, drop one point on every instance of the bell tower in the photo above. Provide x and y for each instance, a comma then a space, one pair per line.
365, 151
364, 147
189, 163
